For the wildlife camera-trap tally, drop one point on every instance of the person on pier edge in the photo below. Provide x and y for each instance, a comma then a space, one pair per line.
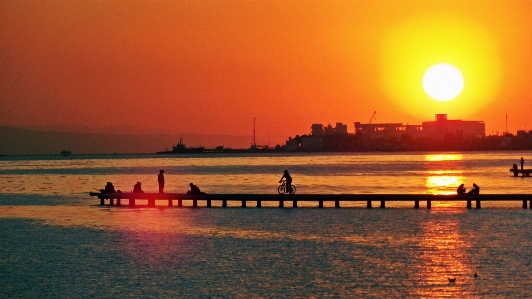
288, 178
194, 190
522, 163
461, 189
160, 178
475, 190
137, 188
109, 188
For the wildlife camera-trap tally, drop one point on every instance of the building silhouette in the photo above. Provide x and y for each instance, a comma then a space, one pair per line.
437, 130
320, 130
373, 135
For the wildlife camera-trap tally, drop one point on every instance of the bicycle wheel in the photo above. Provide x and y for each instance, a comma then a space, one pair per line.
293, 191
281, 189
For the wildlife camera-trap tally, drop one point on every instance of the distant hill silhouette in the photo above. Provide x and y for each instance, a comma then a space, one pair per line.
114, 130
41, 140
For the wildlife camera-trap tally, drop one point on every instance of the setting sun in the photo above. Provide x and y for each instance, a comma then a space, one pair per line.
413, 47
443, 82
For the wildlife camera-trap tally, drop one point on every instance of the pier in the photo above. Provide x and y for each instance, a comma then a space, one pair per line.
177, 199
523, 172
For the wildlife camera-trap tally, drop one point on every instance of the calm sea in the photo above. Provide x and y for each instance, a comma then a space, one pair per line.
57, 242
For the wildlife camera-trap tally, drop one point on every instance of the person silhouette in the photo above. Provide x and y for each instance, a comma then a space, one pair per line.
475, 190
137, 188
194, 189
160, 179
522, 163
288, 178
461, 189
109, 188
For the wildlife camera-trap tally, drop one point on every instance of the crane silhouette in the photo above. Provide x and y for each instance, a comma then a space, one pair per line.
372, 117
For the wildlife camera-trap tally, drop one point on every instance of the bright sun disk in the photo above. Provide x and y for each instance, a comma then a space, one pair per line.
443, 82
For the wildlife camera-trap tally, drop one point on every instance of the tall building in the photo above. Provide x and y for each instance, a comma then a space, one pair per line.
317, 130
320, 130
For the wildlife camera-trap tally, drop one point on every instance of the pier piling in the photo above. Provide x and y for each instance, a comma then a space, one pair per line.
429, 204
478, 204
243, 204
416, 204
337, 204
294, 204
369, 204
259, 204
469, 204
281, 204
179, 203
224, 203
320, 204
383, 204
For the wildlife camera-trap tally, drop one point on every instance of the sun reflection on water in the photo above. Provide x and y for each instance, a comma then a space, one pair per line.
444, 157
443, 184
444, 256
443, 178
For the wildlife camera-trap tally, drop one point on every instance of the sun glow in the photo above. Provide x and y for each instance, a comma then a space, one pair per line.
443, 82
410, 49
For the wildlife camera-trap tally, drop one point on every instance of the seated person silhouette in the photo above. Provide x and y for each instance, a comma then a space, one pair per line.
461, 190
514, 167
109, 188
475, 190
137, 188
194, 190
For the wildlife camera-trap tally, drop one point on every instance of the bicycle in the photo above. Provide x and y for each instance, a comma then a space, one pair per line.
282, 189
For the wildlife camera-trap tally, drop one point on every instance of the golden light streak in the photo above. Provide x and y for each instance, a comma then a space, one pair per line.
444, 157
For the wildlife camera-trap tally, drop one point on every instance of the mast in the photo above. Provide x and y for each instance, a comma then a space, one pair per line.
506, 123
254, 144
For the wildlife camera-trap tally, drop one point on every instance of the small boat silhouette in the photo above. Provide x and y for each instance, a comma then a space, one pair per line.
452, 280
65, 153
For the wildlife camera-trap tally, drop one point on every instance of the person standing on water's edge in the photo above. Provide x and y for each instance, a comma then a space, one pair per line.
522, 163
288, 178
160, 178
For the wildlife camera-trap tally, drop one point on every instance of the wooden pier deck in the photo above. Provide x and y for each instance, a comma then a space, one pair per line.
319, 199
523, 172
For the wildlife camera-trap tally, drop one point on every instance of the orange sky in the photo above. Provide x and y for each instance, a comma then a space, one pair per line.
209, 67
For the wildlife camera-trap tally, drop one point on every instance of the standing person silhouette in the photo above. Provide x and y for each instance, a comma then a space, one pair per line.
288, 178
160, 178
522, 163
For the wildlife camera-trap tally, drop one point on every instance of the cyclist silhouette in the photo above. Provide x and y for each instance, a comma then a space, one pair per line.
288, 178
